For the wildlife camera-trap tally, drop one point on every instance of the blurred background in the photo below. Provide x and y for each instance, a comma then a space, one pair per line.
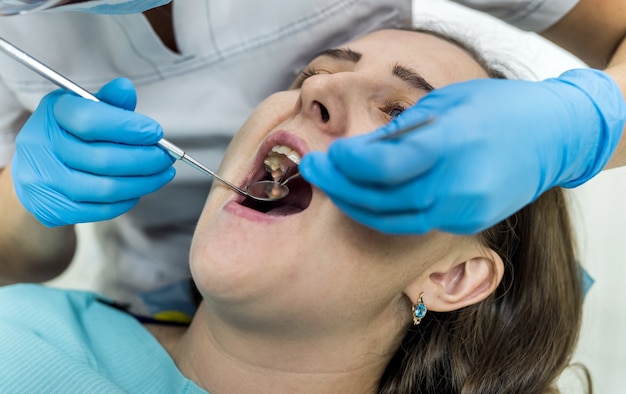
596, 207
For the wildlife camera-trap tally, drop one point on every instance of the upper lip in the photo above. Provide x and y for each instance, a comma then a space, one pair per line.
280, 137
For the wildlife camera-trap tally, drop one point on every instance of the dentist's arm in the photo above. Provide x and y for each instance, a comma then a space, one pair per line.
75, 161
595, 31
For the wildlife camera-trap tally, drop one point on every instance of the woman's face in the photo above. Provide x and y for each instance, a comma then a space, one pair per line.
305, 263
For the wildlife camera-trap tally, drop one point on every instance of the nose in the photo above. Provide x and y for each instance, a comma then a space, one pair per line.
325, 101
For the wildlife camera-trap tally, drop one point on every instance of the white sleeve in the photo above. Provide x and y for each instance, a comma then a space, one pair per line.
12, 117
531, 15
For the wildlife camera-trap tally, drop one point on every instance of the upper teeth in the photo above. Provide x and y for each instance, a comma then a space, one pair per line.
275, 163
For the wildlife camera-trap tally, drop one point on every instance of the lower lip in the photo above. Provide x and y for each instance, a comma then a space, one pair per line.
239, 210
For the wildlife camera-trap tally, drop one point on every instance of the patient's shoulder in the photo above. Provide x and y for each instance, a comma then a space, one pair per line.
17, 301
57, 340
29, 303
34, 291
72, 321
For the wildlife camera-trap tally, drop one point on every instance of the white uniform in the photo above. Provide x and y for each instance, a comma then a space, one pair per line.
233, 53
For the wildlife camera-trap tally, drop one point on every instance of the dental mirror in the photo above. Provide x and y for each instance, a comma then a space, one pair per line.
275, 190
265, 191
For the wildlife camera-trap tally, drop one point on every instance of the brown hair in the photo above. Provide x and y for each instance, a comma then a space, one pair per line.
521, 338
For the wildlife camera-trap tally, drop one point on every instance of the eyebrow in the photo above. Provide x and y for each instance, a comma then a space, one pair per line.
412, 78
346, 54
404, 73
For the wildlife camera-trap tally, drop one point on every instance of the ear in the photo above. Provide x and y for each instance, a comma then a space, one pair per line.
459, 285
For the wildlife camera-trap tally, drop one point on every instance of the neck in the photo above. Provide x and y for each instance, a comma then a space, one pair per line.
223, 359
162, 23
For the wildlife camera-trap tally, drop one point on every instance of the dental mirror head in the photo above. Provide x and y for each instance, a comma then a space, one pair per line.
270, 190
267, 190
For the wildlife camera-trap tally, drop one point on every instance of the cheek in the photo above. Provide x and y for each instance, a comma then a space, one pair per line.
272, 111
388, 264
381, 249
360, 256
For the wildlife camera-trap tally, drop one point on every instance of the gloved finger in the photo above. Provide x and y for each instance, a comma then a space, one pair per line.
74, 213
95, 212
103, 189
445, 216
416, 222
120, 92
384, 163
111, 159
92, 121
317, 169
460, 214
367, 159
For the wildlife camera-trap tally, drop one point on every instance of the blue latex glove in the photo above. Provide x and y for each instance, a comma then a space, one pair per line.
495, 146
82, 161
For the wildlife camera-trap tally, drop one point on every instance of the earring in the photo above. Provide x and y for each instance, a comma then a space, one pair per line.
419, 310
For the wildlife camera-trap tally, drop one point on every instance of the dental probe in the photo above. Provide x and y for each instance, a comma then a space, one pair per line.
176, 152
406, 129
65, 83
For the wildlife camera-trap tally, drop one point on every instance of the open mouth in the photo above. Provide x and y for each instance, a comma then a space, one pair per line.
280, 163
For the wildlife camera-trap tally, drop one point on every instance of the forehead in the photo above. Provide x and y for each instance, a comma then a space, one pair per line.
438, 60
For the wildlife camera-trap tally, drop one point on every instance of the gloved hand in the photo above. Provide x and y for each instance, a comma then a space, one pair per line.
494, 147
82, 161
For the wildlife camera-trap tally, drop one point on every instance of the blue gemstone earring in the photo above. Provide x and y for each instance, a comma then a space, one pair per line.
419, 310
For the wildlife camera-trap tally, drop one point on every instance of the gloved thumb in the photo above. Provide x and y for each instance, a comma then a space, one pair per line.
345, 150
120, 92
370, 159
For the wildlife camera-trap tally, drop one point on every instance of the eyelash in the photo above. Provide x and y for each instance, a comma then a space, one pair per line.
303, 76
388, 107
391, 106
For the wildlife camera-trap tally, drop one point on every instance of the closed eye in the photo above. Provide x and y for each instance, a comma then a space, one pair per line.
303, 76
